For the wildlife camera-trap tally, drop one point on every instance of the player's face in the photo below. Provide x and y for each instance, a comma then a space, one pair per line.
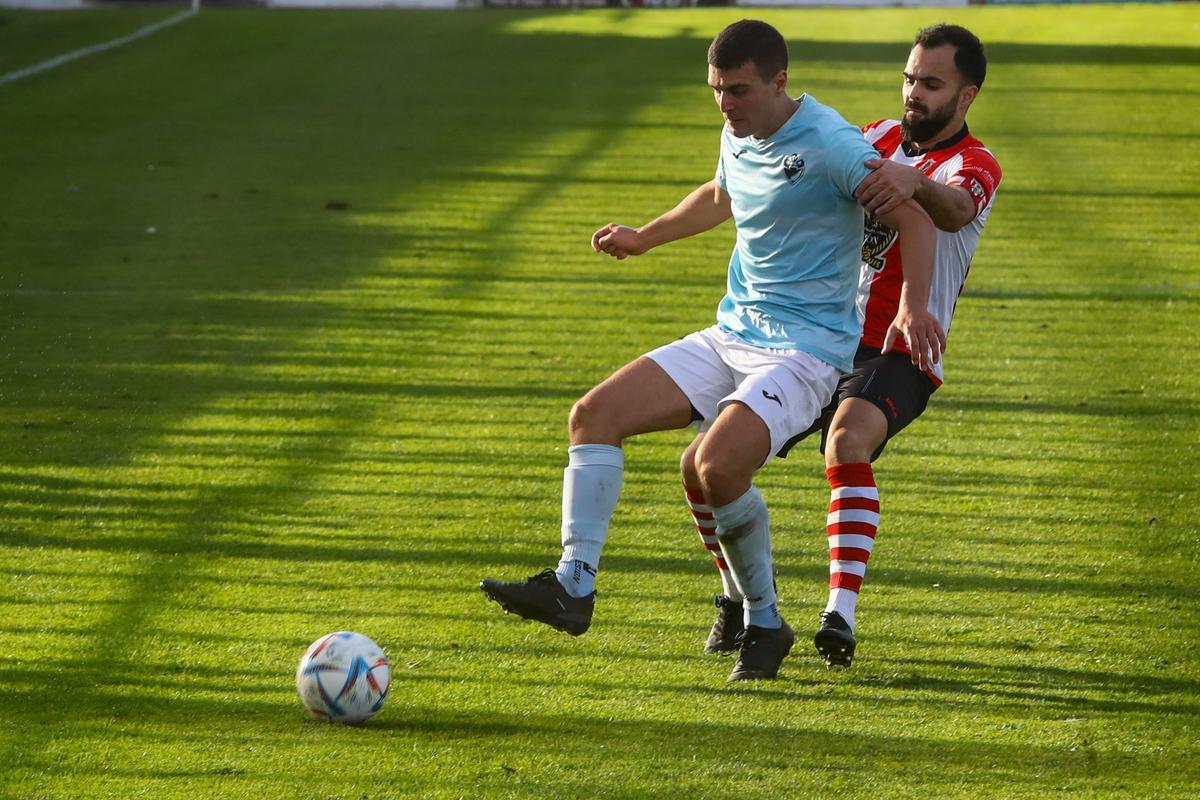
935, 97
747, 102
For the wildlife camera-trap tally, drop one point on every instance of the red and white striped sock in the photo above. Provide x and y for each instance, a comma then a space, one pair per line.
706, 526
851, 525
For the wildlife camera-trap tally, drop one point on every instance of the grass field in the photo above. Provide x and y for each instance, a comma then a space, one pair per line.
329, 391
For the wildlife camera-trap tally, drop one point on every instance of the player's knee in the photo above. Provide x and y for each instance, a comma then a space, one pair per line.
713, 472
687, 471
581, 415
848, 445
589, 419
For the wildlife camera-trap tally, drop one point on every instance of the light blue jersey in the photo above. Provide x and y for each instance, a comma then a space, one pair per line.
794, 270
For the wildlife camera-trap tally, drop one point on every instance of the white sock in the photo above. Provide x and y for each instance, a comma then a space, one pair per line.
843, 601
744, 530
591, 486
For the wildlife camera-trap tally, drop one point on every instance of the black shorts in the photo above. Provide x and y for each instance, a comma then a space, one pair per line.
889, 382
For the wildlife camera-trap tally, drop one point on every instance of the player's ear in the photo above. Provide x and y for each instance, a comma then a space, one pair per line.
966, 97
779, 82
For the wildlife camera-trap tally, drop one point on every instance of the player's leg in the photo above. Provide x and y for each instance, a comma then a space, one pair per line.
769, 408
881, 397
639, 398
736, 446
723, 636
726, 460
857, 431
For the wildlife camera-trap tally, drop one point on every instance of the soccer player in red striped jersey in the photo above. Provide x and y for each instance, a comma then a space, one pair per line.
928, 155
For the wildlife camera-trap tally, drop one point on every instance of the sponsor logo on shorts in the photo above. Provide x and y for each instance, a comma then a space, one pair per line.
774, 397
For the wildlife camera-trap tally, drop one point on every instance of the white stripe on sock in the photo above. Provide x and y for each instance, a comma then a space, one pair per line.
853, 515
852, 540
854, 491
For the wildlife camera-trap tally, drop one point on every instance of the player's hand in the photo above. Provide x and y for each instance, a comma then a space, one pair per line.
619, 241
889, 185
922, 333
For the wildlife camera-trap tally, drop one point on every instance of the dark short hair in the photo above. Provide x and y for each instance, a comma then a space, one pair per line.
969, 57
749, 40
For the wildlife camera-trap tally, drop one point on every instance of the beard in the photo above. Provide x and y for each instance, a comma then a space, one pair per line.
923, 128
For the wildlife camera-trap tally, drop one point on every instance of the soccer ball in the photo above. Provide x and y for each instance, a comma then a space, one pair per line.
343, 677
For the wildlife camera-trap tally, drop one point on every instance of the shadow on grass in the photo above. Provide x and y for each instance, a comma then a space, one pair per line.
125, 369
415, 551
1048, 685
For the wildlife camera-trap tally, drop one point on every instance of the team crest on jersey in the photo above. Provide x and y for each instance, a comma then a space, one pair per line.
793, 168
877, 240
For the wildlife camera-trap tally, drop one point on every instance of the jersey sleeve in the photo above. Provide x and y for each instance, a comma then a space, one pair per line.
847, 153
979, 175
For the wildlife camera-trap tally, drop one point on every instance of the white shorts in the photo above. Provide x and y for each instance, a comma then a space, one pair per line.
787, 389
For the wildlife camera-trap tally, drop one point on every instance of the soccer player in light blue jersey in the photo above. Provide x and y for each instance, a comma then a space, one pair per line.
786, 330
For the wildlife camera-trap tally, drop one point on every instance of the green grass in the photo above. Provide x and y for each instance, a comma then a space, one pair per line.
330, 391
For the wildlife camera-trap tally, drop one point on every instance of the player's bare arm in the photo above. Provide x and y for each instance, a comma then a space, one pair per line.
921, 330
705, 208
890, 184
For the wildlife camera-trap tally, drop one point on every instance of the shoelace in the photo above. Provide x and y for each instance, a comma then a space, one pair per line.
723, 607
740, 639
826, 616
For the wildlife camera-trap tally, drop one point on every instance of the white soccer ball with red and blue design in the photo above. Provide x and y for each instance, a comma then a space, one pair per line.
343, 677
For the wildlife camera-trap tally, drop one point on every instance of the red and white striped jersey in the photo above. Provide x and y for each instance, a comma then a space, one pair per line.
961, 160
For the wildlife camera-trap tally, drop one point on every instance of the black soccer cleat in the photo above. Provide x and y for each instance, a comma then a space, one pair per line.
834, 640
763, 650
723, 638
542, 598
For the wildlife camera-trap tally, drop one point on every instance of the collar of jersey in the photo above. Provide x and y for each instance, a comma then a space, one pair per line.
910, 150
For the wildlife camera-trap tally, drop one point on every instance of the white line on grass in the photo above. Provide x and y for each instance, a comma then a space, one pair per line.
58, 61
